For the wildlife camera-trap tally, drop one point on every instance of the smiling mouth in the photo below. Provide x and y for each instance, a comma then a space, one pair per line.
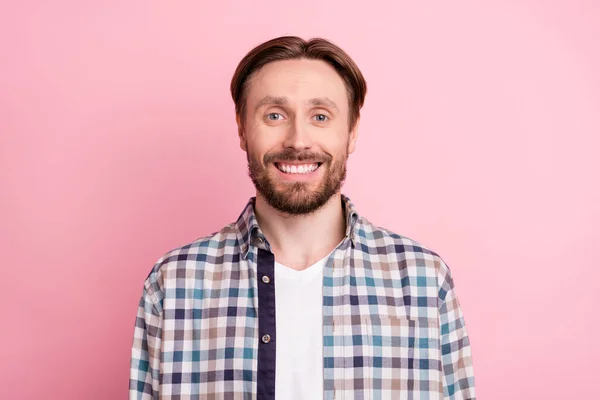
297, 168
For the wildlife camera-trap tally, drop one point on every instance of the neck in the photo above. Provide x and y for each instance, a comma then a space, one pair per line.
299, 241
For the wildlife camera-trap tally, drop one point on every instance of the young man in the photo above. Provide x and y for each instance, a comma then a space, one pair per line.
301, 298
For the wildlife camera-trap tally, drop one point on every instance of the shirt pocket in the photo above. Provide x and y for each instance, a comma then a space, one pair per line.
405, 356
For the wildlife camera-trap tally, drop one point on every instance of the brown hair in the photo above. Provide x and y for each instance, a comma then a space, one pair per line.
293, 47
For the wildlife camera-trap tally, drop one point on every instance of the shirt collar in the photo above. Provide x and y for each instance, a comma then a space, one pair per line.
249, 233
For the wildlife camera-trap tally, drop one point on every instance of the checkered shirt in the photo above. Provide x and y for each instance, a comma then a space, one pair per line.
392, 323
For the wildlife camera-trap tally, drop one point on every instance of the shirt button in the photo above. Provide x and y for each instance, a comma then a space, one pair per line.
259, 239
266, 338
266, 279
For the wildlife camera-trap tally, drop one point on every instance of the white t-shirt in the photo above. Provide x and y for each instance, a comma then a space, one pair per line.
299, 325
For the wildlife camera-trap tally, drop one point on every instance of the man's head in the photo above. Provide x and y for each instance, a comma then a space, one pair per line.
297, 107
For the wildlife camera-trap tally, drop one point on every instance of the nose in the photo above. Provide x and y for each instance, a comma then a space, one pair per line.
298, 136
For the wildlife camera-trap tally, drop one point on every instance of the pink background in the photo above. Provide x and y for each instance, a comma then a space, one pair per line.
479, 138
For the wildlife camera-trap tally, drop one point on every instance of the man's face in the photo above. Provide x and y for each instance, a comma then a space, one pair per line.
296, 134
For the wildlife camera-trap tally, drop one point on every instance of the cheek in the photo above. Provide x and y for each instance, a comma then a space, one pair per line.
259, 148
261, 141
336, 144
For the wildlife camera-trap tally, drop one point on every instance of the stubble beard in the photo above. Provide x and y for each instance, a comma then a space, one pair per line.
296, 198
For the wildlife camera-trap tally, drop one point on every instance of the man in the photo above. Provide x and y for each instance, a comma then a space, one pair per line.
301, 297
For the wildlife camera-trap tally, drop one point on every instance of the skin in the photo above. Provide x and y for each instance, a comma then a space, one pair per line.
283, 120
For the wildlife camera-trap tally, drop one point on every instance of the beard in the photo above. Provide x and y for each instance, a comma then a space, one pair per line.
297, 198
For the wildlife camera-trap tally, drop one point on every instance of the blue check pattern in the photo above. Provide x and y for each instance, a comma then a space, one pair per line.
392, 323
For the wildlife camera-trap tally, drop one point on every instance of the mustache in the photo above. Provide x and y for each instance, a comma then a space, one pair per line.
291, 155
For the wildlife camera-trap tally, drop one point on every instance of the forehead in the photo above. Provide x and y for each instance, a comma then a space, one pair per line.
298, 80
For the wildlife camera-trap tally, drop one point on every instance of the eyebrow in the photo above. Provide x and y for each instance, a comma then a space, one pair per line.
281, 101
277, 101
323, 101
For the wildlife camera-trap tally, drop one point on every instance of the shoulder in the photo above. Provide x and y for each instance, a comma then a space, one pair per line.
191, 257
405, 251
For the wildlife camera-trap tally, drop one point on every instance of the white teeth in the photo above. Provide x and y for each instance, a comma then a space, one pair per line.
297, 169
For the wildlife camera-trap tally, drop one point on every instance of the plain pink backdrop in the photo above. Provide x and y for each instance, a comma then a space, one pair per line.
479, 138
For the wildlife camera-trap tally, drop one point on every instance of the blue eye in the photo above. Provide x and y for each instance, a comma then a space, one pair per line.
321, 117
274, 116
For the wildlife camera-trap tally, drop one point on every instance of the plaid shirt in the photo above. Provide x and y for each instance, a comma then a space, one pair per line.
392, 324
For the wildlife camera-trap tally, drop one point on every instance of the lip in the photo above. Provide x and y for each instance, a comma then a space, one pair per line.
297, 177
298, 162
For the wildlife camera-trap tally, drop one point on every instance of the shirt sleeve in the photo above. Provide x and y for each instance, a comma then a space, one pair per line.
145, 352
457, 362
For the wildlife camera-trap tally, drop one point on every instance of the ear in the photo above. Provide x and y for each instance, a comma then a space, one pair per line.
353, 137
241, 132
